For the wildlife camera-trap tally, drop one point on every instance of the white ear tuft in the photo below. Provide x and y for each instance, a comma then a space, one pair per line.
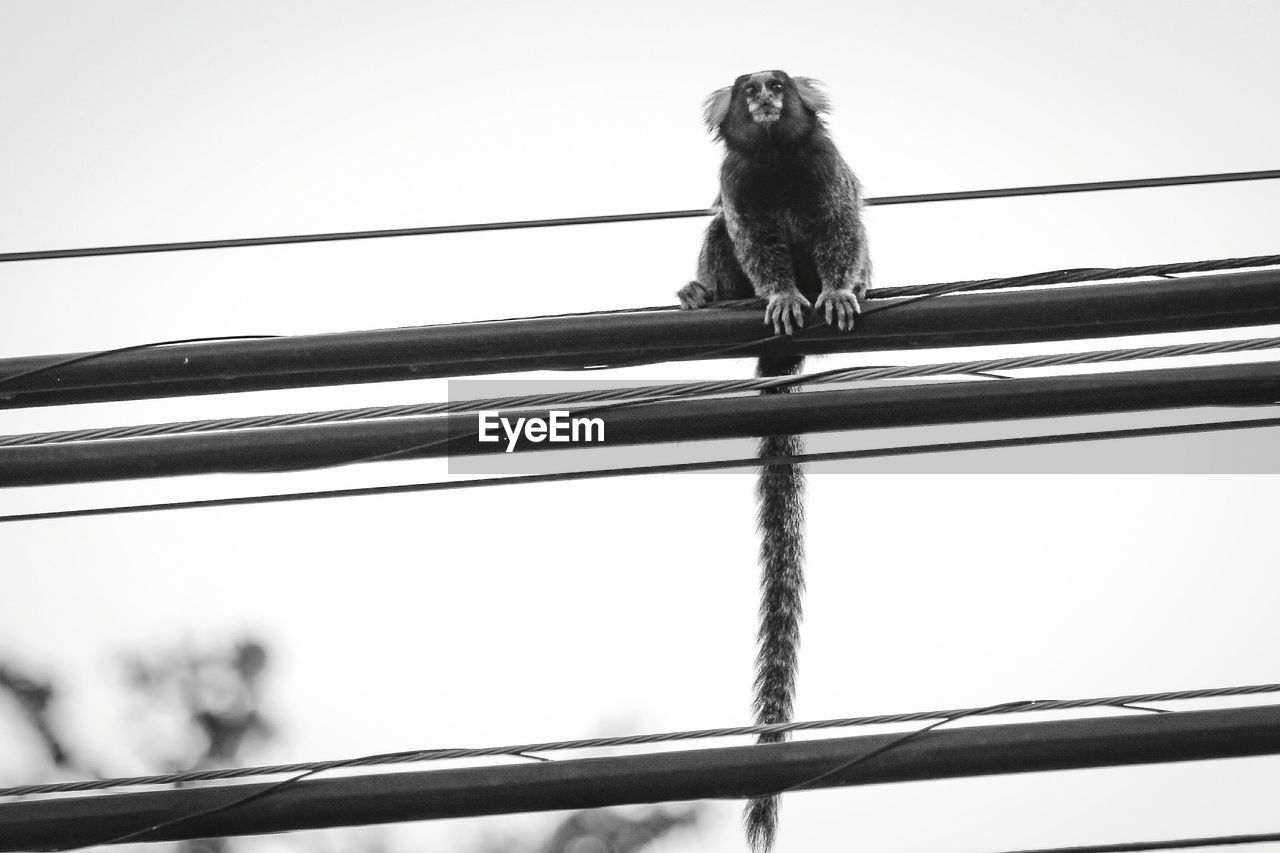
716, 109
811, 94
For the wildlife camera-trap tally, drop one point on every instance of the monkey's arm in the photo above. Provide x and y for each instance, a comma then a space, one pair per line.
843, 262
762, 253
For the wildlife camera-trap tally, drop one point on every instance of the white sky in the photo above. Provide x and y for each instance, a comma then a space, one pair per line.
498, 616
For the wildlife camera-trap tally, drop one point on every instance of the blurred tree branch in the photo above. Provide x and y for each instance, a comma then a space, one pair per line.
34, 699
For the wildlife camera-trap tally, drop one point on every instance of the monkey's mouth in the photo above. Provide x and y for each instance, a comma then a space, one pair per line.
764, 113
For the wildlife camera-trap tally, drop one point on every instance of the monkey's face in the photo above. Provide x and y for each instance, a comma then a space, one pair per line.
763, 109
764, 94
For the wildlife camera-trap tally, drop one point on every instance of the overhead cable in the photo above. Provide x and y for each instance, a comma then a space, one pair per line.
420, 755
314, 446
962, 195
672, 391
725, 772
670, 468
1233, 299
1166, 844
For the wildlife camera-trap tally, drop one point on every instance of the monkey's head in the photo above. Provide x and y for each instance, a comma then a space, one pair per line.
765, 106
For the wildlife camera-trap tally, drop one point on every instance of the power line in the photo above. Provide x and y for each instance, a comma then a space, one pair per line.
962, 195
805, 783
1245, 298
310, 447
1078, 276
1051, 277
627, 395
1094, 186
422, 755
80, 358
923, 291
671, 468
1169, 844
725, 772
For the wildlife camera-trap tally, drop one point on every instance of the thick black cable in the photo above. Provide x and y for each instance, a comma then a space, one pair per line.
897, 742
141, 833
523, 750
918, 292
901, 740
922, 292
676, 467
962, 195
96, 354
938, 291
649, 393
603, 407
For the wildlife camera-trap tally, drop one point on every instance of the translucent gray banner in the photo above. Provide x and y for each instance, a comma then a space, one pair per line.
577, 438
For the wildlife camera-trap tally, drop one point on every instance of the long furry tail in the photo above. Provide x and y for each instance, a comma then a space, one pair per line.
781, 523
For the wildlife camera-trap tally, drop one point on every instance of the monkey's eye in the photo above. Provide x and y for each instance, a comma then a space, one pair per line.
775, 86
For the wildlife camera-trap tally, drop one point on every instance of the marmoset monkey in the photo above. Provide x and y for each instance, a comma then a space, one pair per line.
789, 229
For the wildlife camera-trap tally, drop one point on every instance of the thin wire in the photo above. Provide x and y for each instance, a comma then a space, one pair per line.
913, 735
424, 755
141, 834
1074, 276
1004, 192
902, 740
648, 393
1095, 186
671, 468
1170, 844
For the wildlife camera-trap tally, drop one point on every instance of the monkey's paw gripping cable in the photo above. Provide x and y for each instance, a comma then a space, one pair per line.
523, 750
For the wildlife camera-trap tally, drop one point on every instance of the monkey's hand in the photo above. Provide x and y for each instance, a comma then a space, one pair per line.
840, 306
784, 309
693, 295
